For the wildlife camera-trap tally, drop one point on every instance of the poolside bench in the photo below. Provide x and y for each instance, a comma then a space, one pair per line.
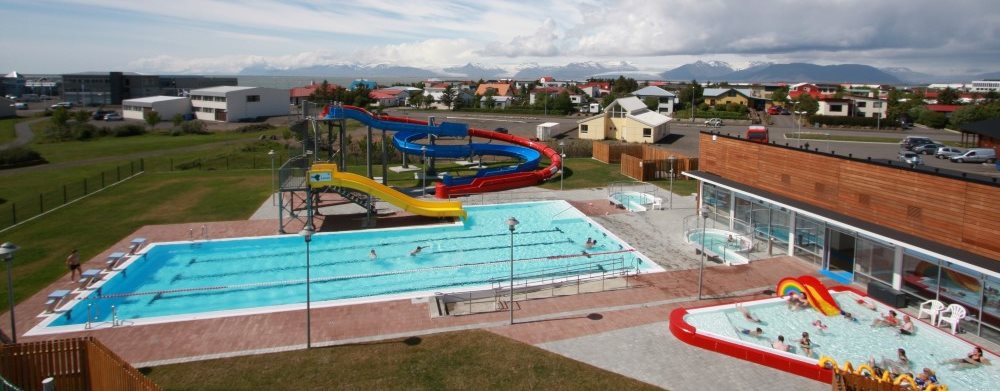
89, 276
135, 244
114, 258
54, 299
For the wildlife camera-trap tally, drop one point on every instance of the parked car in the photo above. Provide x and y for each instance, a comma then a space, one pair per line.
99, 114
68, 105
501, 130
947, 152
785, 111
20, 106
927, 149
911, 158
714, 122
113, 116
774, 110
912, 141
976, 155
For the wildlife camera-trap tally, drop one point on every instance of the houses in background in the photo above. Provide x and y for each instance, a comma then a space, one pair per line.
626, 119
665, 99
166, 106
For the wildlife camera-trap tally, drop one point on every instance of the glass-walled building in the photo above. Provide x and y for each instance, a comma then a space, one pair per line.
849, 252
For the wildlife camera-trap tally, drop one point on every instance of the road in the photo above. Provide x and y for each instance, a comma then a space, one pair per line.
23, 133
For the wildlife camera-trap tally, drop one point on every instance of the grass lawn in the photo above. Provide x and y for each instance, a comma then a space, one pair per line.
468, 360
586, 173
117, 146
95, 223
7, 132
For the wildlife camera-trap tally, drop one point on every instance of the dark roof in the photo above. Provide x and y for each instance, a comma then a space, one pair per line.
987, 127
965, 256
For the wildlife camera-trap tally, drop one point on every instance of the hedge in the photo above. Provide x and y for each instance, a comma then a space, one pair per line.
845, 121
20, 157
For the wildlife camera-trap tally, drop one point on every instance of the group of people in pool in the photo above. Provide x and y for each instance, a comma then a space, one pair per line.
372, 255
900, 365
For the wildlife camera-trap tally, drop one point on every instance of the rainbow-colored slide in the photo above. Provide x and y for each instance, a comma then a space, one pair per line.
815, 292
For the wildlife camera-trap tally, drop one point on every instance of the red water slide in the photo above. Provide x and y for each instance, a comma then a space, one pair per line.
505, 181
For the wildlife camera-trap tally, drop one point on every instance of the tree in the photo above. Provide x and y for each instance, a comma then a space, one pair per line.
948, 96
60, 116
991, 97
685, 94
322, 94
417, 100
932, 119
81, 116
651, 102
448, 97
808, 104
563, 103
428, 100
973, 113
152, 118
177, 120
780, 95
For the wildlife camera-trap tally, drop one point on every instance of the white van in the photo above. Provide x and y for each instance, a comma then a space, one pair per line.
976, 155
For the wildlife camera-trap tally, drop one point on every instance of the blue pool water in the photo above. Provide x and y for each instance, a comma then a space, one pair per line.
633, 201
717, 242
854, 341
191, 278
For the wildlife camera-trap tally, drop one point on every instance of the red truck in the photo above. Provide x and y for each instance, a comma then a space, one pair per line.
757, 134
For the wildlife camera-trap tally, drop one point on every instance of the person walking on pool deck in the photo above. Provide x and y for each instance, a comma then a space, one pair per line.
73, 263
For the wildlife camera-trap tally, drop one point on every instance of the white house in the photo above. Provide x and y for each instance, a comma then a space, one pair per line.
665, 98
166, 106
499, 102
231, 103
834, 107
390, 97
869, 107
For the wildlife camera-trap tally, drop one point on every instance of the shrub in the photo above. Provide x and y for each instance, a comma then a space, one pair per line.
254, 128
129, 130
84, 131
844, 121
194, 127
20, 157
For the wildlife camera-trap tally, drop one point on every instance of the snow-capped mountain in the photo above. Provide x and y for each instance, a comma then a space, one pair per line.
573, 71
476, 71
699, 70
343, 70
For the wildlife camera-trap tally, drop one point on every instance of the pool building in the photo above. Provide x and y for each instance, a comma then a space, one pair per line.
910, 234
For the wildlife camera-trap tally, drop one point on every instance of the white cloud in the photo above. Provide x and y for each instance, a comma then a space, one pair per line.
431, 52
540, 44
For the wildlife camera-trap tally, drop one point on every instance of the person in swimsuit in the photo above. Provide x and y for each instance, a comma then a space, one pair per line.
416, 251
889, 320
756, 333
907, 328
746, 314
73, 263
372, 255
780, 344
806, 344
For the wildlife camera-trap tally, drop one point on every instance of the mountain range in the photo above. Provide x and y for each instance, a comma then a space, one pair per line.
716, 71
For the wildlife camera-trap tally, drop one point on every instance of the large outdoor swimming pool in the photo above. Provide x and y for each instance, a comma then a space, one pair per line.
187, 280
845, 340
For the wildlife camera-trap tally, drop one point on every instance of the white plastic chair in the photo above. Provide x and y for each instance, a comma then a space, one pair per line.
931, 308
658, 203
953, 314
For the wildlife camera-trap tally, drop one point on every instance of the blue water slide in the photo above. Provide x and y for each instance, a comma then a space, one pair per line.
408, 132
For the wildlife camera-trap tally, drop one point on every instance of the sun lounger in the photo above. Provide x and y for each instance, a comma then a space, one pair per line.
55, 298
89, 276
115, 258
135, 244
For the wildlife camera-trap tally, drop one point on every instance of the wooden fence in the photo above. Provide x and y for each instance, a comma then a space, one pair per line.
75, 364
644, 162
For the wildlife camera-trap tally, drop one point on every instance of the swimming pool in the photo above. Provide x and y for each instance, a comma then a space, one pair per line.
186, 280
845, 340
632, 200
718, 244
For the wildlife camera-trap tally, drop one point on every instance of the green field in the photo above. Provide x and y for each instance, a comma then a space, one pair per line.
468, 360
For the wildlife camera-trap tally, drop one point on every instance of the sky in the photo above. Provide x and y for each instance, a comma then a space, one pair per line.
224, 37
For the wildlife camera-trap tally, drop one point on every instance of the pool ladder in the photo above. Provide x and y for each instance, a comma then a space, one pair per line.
93, 314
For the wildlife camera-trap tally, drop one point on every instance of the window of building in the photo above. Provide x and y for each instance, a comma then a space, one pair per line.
862, 104
647, 132
873, 260
253, 98
618, 112
877, 105
219, 99
584, 128
809, 238
836, 108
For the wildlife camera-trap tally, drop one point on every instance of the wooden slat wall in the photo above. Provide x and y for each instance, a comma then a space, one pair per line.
76, 364
951, 211
610, 152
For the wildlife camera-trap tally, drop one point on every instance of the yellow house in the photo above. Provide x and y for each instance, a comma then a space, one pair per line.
626, 119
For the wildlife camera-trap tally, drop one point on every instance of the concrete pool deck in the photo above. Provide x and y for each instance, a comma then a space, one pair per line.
589, 318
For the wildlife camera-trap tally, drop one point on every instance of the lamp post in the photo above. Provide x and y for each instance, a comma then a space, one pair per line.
562, 163
423, 157
274, 181
701, 272
7, 251
511, 224
672, 159
798, 133
307, 234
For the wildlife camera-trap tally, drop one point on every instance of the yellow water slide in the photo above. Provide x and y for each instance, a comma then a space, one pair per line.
325, 174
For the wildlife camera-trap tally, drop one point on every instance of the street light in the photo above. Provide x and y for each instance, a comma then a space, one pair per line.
672, 159
274, 182
423, 153
306, 234
798, 134
701, 272
7, 251
511, 224
562, 163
